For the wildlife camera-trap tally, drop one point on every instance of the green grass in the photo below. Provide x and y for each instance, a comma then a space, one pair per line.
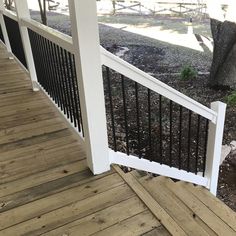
231, 99
187, 73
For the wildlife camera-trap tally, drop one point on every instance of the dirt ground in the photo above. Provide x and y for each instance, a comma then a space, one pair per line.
164, 60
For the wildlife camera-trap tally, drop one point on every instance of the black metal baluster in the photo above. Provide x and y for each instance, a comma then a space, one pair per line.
73, 78
111, 108
189, 139
80, 120
58, 76
75, 108
64, 79
55, 74
160, 128
138, 117
180, 135
125, 115
49, 72
205, 148
171, 121
150, 126
44, 79
197, 143
68, 88
61, 80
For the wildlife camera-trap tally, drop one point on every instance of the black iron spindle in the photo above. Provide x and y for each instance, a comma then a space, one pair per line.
171, 121
205, 147
180, 135
150, 126
111, 109
138, 117
76, 102
125, 115
189, 139
160, 128
197, 143
80, 120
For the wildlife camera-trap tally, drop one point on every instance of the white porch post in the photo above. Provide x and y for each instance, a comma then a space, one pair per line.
22, 11
84, 27
215, 137
3, 27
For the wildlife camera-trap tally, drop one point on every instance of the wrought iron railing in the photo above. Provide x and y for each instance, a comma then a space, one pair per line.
14, 36
56, 73
150, 126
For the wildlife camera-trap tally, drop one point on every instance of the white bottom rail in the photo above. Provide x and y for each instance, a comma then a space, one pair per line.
155, 168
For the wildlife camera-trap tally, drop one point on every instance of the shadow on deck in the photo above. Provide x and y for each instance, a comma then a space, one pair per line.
46, 188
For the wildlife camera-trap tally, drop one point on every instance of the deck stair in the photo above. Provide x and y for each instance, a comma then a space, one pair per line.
184, 209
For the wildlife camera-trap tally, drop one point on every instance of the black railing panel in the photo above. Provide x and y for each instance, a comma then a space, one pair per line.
56, 73
15, 39
150, 126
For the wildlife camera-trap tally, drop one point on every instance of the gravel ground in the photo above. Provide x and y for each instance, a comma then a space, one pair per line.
164, 61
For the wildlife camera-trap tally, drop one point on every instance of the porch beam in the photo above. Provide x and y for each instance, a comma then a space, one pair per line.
22, 11
85, 37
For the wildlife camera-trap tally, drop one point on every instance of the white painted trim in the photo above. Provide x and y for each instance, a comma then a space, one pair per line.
57, 37
84, 28
135, 74
9, 14
4, 29
155, 168
22, 10
81, 138
214, 145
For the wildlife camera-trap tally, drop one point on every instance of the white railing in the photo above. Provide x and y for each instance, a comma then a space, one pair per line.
96, 143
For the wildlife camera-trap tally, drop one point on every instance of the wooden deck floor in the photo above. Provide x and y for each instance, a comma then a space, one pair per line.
46, 188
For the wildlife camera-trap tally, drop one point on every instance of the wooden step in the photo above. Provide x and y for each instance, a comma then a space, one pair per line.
174, 207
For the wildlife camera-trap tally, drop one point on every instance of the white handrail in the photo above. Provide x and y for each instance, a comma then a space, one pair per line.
9, 14
57, 37
132, 72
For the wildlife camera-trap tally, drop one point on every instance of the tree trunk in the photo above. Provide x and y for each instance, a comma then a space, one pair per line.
43, 11
223, 68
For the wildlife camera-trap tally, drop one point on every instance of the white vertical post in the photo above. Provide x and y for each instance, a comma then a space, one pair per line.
214, 144
84, 27
22, 11
3, 27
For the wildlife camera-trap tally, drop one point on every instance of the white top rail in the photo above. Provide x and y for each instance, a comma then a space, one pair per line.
10, 14
137, 75
57, 37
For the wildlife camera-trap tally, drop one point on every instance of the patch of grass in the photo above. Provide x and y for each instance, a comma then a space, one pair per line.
231, 99
187, 73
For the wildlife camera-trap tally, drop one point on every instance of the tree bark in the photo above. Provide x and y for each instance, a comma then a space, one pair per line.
223, 68
43, 11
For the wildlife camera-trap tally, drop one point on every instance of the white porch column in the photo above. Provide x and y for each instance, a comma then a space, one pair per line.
3, 27
22, 11
84, 27
214, 145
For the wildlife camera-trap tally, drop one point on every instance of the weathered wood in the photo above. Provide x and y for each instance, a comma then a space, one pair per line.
102, 219
177, 209
151, 203
214, 204
72, 210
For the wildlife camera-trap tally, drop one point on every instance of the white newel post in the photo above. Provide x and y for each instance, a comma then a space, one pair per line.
22, 11
85, 36
214, 146
3, 27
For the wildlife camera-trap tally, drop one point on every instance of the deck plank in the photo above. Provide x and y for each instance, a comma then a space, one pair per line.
47, 189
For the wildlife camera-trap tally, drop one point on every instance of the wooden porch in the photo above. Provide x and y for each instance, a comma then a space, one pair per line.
46, 188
